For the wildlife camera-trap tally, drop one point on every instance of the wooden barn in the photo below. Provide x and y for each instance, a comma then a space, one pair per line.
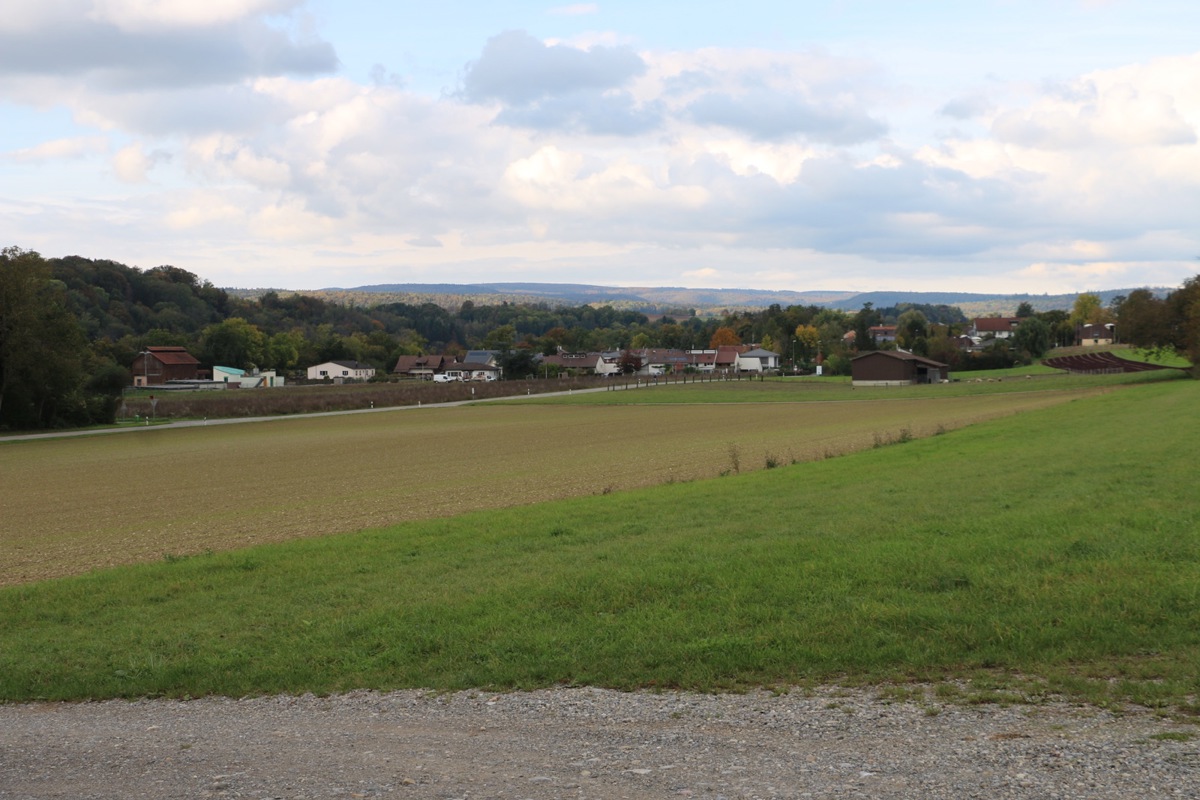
157, 365
896, 368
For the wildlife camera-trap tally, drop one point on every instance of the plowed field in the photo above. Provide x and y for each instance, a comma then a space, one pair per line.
72, 505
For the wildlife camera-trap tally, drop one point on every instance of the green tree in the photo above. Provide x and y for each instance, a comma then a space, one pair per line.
234, 343
500, 338
42, 347
1024, 309
1087, 309
282, 350
1143, 320
1184, 306
910, 326
1032, 336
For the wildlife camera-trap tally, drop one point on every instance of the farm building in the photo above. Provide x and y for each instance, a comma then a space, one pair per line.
157, 365
896, 368
339, 371
1094, 334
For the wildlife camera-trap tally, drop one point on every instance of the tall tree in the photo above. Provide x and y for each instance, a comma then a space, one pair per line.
41, 346
1087, 309
723, 337
1032, 336
234, 343
1143, 320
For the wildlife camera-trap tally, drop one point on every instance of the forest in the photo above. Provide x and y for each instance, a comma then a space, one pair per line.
71, 327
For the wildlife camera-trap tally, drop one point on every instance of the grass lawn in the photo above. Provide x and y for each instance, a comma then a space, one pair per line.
1057, 550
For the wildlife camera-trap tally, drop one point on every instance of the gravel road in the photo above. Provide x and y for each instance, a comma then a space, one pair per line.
590, 743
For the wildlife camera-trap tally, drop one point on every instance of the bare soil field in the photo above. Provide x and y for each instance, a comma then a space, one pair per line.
77, 504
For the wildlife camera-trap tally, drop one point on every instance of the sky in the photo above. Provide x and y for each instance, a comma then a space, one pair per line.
1013, 146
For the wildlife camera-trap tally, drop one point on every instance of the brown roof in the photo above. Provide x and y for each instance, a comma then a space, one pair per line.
902, 355
996, 324
727, 354
172, 355
409, 363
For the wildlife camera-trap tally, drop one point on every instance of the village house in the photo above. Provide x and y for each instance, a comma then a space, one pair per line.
882, 333
995, 327
341, 371
423, 367
578, 363
758, 360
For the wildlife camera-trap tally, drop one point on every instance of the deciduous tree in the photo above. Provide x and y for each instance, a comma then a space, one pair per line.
724, 337
42, 346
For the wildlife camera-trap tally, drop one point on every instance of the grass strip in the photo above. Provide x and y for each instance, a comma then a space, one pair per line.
1060, 547
808, 390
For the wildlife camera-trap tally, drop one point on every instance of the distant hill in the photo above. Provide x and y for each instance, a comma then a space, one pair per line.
677, 299
652, 298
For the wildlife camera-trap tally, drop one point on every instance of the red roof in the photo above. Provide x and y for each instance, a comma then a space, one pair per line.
172, 355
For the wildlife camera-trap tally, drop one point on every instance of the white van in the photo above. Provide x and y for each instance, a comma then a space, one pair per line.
441, 377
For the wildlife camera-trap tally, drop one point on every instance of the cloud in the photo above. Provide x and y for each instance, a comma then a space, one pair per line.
518, 69
771, 115
965, 108
58, 149
129, 45
560, 87
131, 163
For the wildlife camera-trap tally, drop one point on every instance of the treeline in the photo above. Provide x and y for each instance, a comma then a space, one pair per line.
71, 327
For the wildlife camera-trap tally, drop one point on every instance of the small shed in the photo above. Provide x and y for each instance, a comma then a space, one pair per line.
157, 365
896, 368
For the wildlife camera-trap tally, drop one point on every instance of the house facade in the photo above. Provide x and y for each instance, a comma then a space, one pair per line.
157, 365
340, 371
1093, 334
758, 360
423, 367
241, 379
896, 368
995, 327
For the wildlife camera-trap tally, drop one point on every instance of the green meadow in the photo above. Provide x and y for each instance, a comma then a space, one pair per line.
1051, 552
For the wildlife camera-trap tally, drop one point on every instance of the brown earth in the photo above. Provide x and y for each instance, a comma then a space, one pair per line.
77, 504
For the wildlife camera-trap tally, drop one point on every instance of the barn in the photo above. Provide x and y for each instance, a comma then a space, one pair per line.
896, 368
157, 365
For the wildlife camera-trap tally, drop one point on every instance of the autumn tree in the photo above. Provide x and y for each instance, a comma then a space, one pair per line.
808, 337
1087, 310
724, 337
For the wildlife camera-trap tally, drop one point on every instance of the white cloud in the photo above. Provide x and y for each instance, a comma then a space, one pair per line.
141, 15
57, 149
595, 155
